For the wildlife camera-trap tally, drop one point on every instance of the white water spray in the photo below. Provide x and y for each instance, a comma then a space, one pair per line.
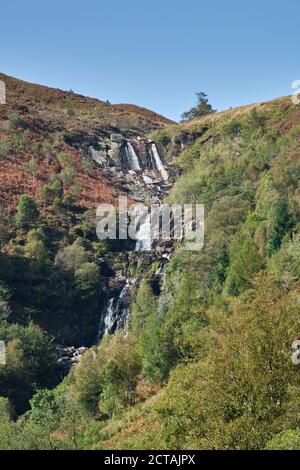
109, 317
144, 241
159, 163
115, 316
132, 157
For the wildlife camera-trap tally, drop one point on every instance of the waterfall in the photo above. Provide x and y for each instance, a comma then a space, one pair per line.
109, 317
132, 157
115, 314
122, 310
144, 241
159, 164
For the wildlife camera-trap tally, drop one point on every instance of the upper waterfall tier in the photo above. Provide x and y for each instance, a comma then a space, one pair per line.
132, 158
136, 154
158, 163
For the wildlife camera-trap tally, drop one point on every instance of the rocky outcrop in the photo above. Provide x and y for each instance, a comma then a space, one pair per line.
182, 139
69, 357
119, 285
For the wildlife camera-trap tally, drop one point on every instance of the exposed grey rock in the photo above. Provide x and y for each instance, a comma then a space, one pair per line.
118, 138
69, 357
99, 156
116, 153
147, 179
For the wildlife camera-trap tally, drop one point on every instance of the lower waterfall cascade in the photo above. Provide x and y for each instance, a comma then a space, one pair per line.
144, 241
115, 314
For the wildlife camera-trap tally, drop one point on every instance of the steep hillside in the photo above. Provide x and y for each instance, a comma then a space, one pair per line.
146, 113
209, 361
281, 114
61, 155
220, 348
38, 123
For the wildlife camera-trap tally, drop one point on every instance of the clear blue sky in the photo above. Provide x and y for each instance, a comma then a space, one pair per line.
155, 53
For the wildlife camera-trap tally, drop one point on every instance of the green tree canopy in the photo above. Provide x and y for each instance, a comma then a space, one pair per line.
27, 212
201, 109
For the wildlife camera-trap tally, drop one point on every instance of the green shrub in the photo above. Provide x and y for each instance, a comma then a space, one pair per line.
30, 363
27, 212
36, 245
87, 276
286, 440
233, 128
15, 120
285, 263
72, 257
51, 191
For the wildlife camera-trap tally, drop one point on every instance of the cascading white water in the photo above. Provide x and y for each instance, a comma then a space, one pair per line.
122, 307
132, 157
144, 241
109, 316
159, 164
116, 312
115, 316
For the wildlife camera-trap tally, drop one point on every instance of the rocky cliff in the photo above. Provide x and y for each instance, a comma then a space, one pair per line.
99, 151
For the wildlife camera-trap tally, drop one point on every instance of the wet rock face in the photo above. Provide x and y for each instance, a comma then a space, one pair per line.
69, 357
118, 151
186, 138
142, 149
134, 166
147, 155
128, 154
119, 286
115, 153
83, 141
100, 155
181, 138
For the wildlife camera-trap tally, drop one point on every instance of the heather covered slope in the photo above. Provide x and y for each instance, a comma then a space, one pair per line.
38, 123
55, 101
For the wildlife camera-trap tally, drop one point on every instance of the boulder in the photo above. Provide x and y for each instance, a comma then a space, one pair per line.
115, 154
117, 138
99, 156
